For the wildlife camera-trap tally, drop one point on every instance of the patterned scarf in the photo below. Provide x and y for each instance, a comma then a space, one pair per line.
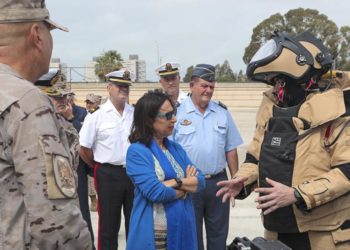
181, 226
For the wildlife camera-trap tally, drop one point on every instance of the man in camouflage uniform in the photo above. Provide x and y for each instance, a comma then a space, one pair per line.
53, 84
92, 102
38, 182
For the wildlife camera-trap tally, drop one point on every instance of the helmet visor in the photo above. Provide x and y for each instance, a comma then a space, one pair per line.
268, 49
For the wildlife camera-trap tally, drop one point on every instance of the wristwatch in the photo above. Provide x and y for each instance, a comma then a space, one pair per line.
178, 182
298, 197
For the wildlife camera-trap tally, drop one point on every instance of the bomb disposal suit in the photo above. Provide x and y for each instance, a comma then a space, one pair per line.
302, 140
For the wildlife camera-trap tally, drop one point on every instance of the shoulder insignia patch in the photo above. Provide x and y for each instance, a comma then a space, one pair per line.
64, 176
186, 122
93, 110
222, 105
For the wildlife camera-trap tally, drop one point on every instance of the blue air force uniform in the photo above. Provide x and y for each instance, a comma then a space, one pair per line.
206, 138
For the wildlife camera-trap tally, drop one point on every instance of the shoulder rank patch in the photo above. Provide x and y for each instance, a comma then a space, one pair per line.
93, 110
222, 105
186, 122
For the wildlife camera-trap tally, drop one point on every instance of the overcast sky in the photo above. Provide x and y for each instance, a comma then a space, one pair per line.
184, 31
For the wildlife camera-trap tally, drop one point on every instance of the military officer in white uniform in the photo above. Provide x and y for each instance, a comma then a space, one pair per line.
169, 78
104, 142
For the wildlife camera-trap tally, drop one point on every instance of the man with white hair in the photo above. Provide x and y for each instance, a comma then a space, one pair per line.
104, 143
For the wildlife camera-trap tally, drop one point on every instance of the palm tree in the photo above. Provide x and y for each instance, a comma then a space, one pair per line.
109, 61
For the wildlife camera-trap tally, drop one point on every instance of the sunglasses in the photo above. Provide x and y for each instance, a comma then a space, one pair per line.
168, 116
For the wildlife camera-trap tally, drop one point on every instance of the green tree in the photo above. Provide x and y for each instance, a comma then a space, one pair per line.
108, 61
188, 74
342, 61
297, 21
217, 70
224, 73
241, 77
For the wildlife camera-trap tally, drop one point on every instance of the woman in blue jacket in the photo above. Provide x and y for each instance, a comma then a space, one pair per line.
162, 215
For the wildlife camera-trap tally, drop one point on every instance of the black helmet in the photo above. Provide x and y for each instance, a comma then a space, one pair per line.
300, 58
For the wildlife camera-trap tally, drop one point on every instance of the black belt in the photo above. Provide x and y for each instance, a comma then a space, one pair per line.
209, 176
111, 165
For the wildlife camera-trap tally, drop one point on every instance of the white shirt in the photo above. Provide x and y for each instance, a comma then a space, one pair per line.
182, 96
106, 132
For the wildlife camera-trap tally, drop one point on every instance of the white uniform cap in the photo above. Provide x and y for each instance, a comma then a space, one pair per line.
120, 77
49, 75
167, 69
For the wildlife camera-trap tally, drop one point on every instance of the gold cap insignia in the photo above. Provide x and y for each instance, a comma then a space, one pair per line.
168, 67
126, 75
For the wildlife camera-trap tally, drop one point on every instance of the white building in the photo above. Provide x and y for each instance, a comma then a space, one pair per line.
55, 63
136, 67
90, 75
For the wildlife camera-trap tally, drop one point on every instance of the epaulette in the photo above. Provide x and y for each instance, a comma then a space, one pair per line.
93, 110
221, 104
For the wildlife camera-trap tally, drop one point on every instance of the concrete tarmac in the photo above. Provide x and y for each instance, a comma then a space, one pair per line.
245, 219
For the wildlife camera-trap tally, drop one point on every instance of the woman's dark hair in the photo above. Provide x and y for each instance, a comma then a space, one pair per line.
145, 113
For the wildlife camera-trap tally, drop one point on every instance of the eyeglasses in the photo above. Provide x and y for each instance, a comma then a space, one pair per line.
168, 116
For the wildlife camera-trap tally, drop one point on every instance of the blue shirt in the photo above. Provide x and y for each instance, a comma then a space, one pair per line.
79, 114
206, 137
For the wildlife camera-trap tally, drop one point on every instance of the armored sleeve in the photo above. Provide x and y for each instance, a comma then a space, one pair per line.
336, 182
46, 181
250, 166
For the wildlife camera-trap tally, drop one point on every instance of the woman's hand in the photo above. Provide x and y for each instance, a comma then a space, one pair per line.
191, 171
173, 184
189, 183
180, 193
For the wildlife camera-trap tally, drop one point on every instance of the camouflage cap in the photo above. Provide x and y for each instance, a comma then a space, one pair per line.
93, 98
24, 11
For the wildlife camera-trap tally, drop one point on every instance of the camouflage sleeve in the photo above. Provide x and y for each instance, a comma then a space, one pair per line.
45, 175
336, 182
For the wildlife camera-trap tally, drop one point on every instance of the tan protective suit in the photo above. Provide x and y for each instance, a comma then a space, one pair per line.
321, 170
38, 157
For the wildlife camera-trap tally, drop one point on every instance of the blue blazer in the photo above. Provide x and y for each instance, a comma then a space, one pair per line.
149, 190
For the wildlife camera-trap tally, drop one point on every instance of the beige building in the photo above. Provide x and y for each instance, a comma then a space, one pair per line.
56, 63
90, 75
136, 67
